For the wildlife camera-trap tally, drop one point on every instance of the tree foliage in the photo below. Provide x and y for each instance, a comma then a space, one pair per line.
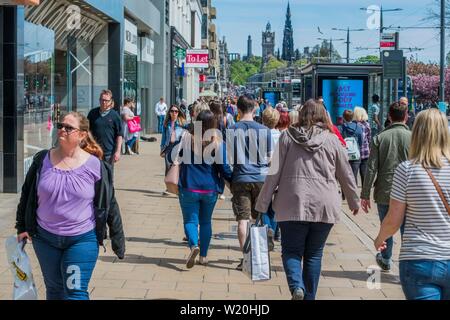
370, 59
242, 70
321, 53
416, 68
273, 64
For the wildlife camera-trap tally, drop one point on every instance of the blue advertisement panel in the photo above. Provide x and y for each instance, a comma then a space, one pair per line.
340, 95
272, 97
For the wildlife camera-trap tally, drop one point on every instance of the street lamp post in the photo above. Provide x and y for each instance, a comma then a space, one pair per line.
348, 30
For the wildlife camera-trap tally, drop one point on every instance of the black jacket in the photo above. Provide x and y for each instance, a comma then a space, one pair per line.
106, 209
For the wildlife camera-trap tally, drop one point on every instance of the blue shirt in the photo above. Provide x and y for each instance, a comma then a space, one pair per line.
167, 131
249, 151
203, 176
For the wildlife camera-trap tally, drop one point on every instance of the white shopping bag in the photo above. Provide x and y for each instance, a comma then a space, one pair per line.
19, 263
256, 262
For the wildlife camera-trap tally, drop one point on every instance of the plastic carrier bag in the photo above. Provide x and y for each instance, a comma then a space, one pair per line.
256, 263
19, 263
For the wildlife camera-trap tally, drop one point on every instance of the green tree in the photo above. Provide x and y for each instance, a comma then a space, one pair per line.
301, 62
321, 53
371, 59
273, 64
242, 70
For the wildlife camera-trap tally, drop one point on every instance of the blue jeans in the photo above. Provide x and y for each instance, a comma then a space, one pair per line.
303, 241
197, 211
425, 279
130, 143
67, 263
269, 219
387, 253
161, 123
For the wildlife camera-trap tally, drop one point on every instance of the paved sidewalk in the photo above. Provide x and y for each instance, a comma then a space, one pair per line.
154, 267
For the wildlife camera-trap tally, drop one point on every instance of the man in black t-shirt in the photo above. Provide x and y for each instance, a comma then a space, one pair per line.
106, 127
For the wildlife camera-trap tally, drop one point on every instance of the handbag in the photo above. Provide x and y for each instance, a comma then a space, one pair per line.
256, 263
134, 125
173, 175
438, 189
172, 178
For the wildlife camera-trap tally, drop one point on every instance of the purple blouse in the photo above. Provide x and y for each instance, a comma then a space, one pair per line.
66, 198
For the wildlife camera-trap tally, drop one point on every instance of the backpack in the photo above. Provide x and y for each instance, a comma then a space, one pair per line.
352, 146
352, 149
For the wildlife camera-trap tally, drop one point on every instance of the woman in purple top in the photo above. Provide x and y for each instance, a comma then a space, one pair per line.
65, 238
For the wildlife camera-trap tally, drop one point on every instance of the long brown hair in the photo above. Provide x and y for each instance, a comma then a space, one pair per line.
88, 144
313, 113
181, 120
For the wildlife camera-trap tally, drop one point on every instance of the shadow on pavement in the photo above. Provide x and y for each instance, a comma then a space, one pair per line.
169, 263
169, 242
360, 276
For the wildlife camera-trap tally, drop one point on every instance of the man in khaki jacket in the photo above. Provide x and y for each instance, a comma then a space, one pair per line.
388, 150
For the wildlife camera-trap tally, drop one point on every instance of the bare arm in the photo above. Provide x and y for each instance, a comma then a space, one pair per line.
391, 223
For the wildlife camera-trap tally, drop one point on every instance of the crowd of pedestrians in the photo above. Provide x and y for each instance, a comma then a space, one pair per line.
277, 163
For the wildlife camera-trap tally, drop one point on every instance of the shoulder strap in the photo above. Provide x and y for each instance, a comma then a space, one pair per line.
439, 189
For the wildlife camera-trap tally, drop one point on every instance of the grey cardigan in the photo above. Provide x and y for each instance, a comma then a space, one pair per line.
306, 169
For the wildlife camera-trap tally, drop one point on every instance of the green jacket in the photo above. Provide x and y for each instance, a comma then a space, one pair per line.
388, 150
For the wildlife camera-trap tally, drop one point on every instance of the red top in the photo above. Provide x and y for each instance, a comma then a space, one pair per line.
338, 134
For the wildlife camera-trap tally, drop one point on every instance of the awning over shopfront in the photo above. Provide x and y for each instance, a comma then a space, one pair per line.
20, 2
67, 18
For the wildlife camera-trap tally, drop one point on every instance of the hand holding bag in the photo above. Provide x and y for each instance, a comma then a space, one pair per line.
173, 175
256, 263
24, 286
134, 125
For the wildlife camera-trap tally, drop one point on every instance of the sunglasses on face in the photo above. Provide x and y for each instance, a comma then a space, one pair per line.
66, 128
105, 101
173, 111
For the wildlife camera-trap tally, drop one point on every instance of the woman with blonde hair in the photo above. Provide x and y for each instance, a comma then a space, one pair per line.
420, 201
293, 116
362, 118
66, 203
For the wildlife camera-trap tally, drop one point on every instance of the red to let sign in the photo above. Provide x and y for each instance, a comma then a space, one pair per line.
197, 59
387, 41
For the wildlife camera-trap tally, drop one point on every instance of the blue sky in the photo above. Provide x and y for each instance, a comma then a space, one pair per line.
237, 19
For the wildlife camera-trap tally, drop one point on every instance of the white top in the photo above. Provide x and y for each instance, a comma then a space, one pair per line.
161, 109
127, 135
427, 225
374, 111
275, 137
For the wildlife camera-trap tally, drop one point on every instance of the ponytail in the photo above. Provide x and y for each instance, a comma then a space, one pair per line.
91, 146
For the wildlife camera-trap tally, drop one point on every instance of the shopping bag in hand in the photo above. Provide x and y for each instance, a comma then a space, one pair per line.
19, 263
256, 262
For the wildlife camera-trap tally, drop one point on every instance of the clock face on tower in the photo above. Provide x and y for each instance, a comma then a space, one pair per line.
268, 39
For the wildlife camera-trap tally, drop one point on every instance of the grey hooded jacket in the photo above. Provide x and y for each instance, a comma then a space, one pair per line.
306, 169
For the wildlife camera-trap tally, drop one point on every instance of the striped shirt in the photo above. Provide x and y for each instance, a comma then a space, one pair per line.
427, 225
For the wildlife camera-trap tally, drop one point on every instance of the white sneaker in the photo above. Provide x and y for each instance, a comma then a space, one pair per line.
203, 261
191, 258
130, 152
